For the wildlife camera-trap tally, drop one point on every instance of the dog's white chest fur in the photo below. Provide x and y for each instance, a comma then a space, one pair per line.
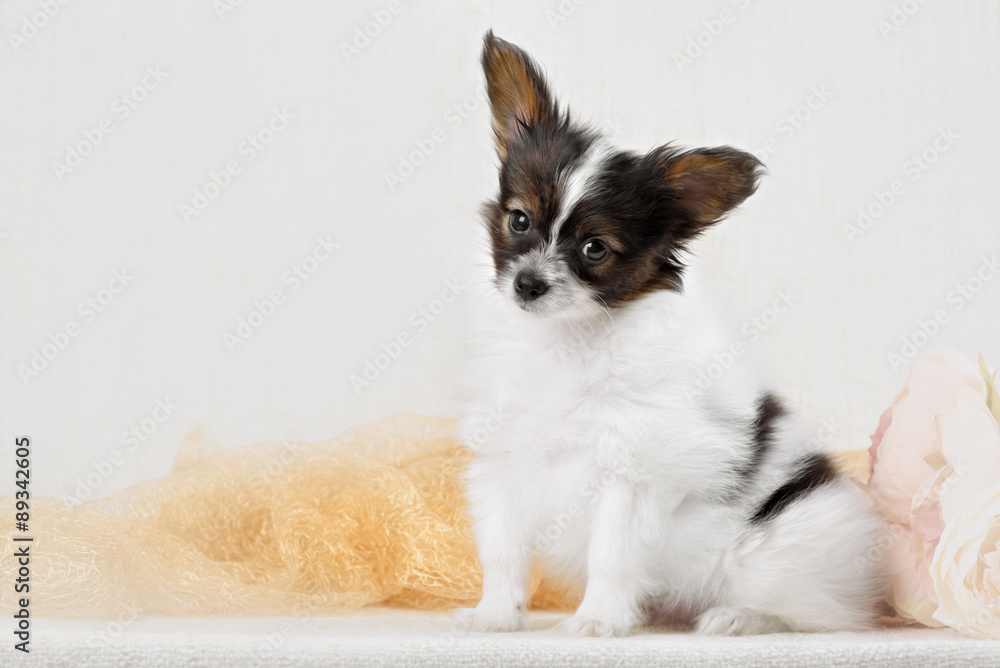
587, 404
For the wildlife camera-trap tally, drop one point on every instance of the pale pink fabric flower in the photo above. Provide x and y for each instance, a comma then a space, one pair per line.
966, 564
901, 450
922, 456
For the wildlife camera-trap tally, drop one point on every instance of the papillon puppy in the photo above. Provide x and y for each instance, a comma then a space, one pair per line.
597, 454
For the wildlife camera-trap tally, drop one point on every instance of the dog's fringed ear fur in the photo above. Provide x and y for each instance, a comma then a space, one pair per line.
709, 182
519, 98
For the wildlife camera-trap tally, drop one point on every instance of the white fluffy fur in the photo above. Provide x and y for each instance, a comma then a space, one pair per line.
606, 464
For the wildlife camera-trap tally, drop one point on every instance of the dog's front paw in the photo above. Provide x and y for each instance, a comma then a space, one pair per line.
491, 620
737, 622
722, 622
594, 627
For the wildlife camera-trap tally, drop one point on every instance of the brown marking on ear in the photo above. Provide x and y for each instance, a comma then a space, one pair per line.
519, 97
710, 182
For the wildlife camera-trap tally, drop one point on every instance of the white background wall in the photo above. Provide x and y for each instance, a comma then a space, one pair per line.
887, 98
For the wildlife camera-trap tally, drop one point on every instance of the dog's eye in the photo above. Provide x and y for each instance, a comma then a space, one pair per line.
595, 250
519, 221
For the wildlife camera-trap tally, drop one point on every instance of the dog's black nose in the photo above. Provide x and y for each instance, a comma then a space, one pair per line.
529, 288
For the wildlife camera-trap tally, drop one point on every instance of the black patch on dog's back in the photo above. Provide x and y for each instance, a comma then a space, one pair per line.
769, 410
813, 472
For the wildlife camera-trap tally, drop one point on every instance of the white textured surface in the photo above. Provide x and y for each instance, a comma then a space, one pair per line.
324, 174
406, 638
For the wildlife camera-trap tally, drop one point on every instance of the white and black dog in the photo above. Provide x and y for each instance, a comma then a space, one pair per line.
707, 507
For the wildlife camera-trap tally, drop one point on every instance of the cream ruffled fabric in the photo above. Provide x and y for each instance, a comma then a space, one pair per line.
376, 515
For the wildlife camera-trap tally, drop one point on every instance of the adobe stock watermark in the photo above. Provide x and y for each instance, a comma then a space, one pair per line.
419, 321
223, 8
900, 15
88, 310
451, 119
489, 425
588, 335
247, 152
131, 439
32, 24
914, 168
294, 278
794, 120
564, 10
825, 433
271, 642
752, 330
115, 629
265, 474
548, 536
121, 108
700, 42
276, 465
364, 34
957, 298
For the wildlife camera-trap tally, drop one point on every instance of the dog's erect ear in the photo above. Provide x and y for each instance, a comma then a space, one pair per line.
709, 182
519, 98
